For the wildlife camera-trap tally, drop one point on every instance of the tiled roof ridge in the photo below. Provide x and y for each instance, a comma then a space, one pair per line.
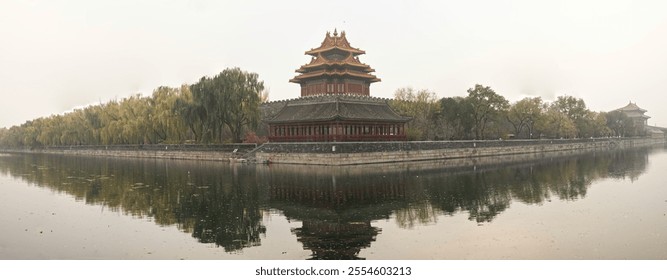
327, 72
348, 60
335, 42
630, 107
328, 96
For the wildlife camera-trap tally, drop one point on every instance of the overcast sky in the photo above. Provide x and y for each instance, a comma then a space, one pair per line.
58, 55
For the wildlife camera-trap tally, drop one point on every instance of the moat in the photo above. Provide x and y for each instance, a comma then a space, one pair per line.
597, 205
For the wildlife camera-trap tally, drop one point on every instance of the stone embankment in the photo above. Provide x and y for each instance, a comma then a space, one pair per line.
346, 153
351, 153
222, 152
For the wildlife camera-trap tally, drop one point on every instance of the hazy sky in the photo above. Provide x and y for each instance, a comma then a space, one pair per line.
58, 55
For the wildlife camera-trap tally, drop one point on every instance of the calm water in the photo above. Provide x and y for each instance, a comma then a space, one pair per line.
604, 205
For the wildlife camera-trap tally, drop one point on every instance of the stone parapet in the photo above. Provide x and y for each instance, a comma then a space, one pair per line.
220, 152
352, 153
346, 153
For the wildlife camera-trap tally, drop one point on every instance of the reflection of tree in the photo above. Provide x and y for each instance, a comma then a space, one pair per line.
417, 212
232, 217
213, 201
472, 192
628, 164
490, 189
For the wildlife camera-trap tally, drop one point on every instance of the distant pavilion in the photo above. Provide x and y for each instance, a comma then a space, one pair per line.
335, 103
636, 114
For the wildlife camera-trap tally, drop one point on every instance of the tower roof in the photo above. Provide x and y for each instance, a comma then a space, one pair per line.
335, 42
631, 107
335, 73
335, 58
337, 107
320, 61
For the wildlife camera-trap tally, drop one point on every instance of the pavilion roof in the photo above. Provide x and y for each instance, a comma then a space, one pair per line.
329, 72
335, 57
337, 107
335, 42
631, 107
349, 61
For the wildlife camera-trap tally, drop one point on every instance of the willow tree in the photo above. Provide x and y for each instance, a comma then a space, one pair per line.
166, 123
229, 99
243, 96
191, 114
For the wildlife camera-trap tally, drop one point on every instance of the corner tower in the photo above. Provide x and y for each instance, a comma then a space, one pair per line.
335, 69
335, 103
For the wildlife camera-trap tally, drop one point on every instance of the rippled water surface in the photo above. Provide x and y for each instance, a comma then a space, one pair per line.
602, 205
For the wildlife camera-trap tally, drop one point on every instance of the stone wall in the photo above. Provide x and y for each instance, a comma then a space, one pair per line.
351, 153
346, 153
221, 152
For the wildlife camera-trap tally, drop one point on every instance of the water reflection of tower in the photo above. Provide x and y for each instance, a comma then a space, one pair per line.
336, 210
335, 240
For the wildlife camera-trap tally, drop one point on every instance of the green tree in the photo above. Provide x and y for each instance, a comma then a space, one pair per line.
165, 122
456, 115
619, 124
575, 109
30, 133
230, 98
193, 115
4, 134
555, 124
243, 96
422, 107
93, 120
486, 107
12, 137
599, 124
523, 114
135, 112
209, 104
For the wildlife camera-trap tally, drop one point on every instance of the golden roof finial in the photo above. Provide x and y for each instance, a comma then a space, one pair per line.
335, 32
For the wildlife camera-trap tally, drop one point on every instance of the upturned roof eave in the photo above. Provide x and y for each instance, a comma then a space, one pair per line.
318, 50
361, 66
369, 77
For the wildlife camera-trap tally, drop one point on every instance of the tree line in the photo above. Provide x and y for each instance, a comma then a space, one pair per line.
226, 108
484, 114
213, 110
